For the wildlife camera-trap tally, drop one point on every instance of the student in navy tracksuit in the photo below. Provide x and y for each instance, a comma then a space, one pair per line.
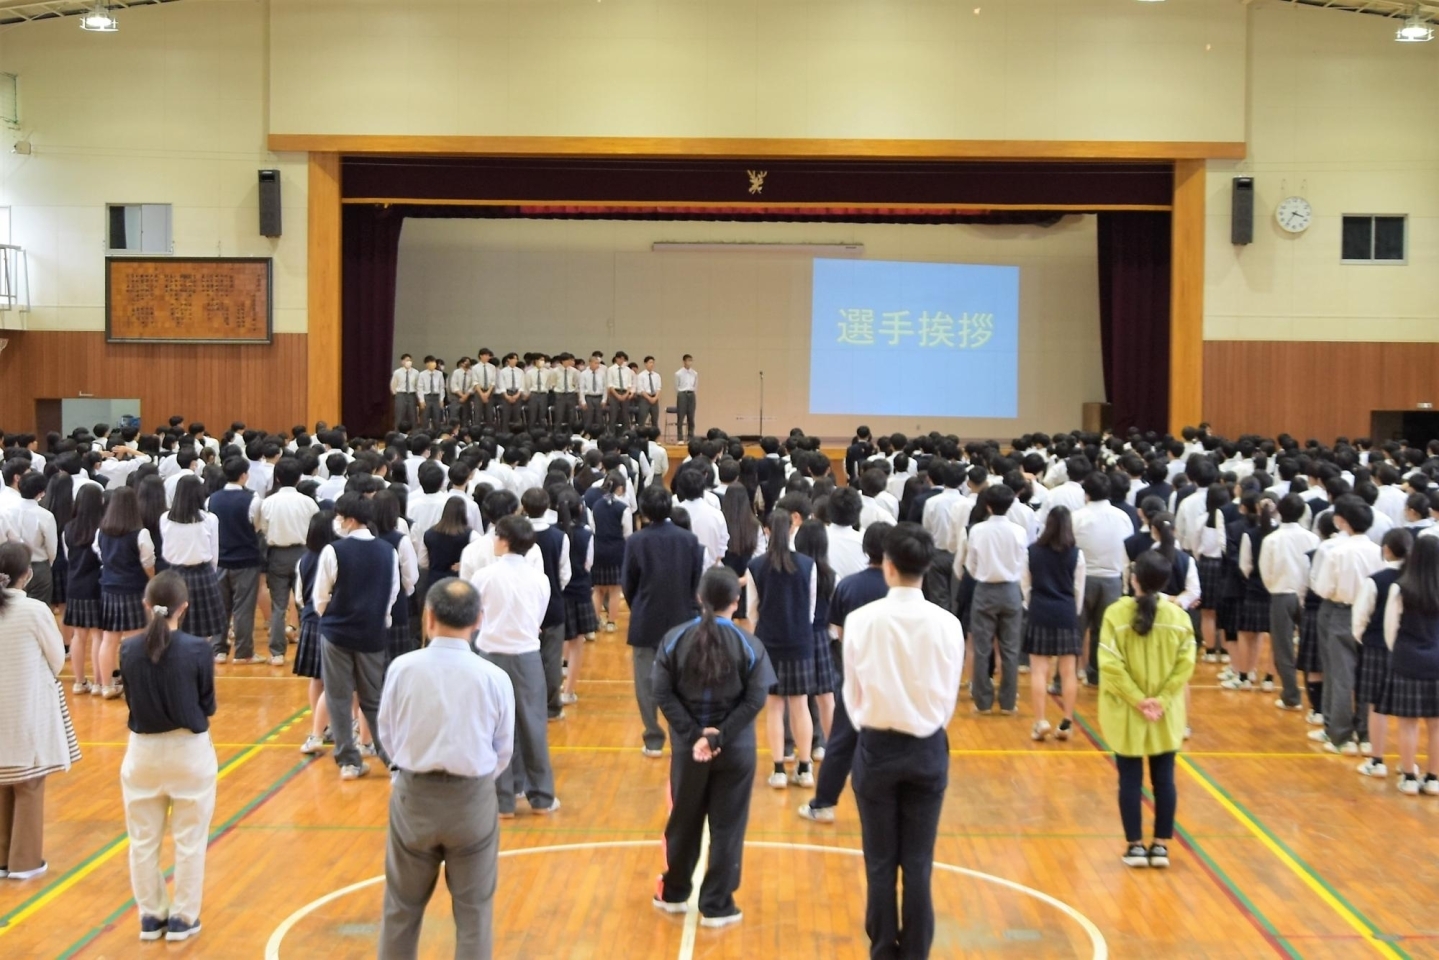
1373, 674
241, 561
580, 620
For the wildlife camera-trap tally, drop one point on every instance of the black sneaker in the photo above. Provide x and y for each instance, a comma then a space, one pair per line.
1158, 855
180, 930
152, 928
1136, 856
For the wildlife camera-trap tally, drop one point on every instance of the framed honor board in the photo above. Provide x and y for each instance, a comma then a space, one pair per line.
188, 300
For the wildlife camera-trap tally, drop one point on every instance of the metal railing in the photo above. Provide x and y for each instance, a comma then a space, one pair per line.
14, 287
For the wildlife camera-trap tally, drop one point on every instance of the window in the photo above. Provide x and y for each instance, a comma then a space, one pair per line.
1374, 239
137, 228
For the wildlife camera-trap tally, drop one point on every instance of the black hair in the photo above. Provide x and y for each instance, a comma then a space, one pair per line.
517, 532
235, 469
873, 542
741, 522
1151, 574
1058, 532
719, 589
910, 548
781, 558
812, 541
322, 531
656, 504
188, 505
14, 567
123, 515
165, 594
1162, 526
1419, 583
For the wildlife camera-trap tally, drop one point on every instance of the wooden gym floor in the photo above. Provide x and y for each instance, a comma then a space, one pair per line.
1283, 850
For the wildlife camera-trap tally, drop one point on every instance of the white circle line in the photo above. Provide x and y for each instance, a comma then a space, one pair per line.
1096, 938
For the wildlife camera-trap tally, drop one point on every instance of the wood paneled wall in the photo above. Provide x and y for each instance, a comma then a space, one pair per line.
1314, 389
263, 384
1186, 295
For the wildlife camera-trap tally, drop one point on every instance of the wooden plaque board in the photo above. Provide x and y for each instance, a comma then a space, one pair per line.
188, 300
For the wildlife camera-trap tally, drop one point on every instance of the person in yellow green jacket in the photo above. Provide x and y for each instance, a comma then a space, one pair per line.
1146, 656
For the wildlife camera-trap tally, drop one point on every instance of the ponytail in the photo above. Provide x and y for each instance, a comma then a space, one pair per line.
708, 666
1162, 525
780, 557
1268, 514
165, 595
1151, 574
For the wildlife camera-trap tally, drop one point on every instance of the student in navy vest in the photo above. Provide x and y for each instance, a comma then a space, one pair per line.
1411, 631
580, 619
1368, 620
127, 562
660, 578
241, 559
554, 547
356, 584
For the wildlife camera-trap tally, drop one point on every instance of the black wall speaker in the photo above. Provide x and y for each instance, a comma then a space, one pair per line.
1241, 222
269, 203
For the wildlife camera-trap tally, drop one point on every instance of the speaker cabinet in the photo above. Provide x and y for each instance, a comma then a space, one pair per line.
269, 203
1241, 217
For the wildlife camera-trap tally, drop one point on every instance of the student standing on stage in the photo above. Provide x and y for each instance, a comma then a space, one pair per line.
405, 386
620, 384
710, 680
127, 562
997, 558
687, 381
356, 585
784, 585
902, 663
567, 393
1373, 651
648, 407
285, 523
450, 717
484, 377
513, 600
1284, 568
238, 511
1411, 693
511, 388
1053, 586
432, 397
537, 392
660, 577
460, 387
169, 771
1338, 579
580, 620
1146, 657
593, 389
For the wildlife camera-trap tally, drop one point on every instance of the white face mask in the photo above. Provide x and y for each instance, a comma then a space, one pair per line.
407, 364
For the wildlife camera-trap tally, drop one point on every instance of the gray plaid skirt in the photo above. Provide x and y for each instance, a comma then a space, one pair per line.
1041, 641
122, 612
206, 616
580, 617
824, 672
1211, 582
1373, 674
307, 651
1408, 697
1308, 660
85, 614
799, 678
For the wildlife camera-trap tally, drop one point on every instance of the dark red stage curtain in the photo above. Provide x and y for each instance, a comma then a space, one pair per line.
371, 249
1134, 251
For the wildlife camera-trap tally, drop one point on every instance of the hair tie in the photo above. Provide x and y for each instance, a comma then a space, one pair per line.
160, 611
4, 580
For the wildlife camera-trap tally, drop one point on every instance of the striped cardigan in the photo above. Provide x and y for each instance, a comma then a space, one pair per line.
32, 725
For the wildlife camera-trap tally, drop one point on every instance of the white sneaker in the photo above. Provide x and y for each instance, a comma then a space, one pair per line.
569, 698
81, 687
1039, 731
1365, 747
277, 661
27, 874
1372, 768
1211, 658
1267, 686
610, 626
222, 658
1318, 736
805, 779
817, 754
546, 811
1236, 683
354, 771
1225, 674
1188, 732
1223, 658
668, 907
779, 781
1024, 668
1314, 718
817, 814
1347, 749
1410, 788
312, 745
1284, 706
652, 754
714, 922
1431, 787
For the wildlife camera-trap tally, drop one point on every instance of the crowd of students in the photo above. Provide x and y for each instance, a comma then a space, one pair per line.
1116, 560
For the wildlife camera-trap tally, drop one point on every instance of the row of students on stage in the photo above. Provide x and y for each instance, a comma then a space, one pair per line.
560, 392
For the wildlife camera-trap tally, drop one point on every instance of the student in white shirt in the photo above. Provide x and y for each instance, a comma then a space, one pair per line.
537, 392
1100, 529
687, 380
1069, 493
190, 544
481, 551
565, 382
32, 526
405, 386
997, 557
594, 388
513, 600
706, 522
285, 524
647, 404
510, 388
620, 391
432, 397
1284, 568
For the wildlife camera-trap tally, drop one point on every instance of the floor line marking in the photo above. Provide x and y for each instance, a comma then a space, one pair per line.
692, 915
108, 852
1096, 938
1311, 879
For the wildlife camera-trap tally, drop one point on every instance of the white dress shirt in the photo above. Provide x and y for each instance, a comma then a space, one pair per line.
1381, 525
592, 382
936, 516
708, 524
687, 381
649, 382
190, 544
260, 478
566, 380
511, 378
461, 381
1284, 560
564, 564
620, 378
1067, 494
331, 489
173, 480
30, 524
254, 512
1363, 610
1100, 530
536, 380
431, 382
1391, 503
285, 517
902, 661
405, 380
143, 543
846, 551
425, 509
445, 710
481, 553
329, 567
998, 551
1346, 565
513, 600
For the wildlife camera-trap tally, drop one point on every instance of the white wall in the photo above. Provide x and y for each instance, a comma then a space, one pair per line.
551, 286
928, 69
172, 109
1343, 115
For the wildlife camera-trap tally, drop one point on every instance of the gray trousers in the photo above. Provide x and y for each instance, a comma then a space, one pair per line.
347, 673
594, 413
406, 409
1284, 609
552, 656
531, 760
685, 415
434, 413
644, 665
1099, 593
619, 411
996, 614
42, 582
239, 592
511, 414
280, 581
646, 413
1339, 654
566, 406
436, 818
537, 409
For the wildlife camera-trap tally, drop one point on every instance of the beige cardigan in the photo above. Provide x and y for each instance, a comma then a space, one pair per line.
32, 729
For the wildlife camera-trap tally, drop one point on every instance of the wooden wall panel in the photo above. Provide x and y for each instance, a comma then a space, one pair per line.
323, 322
1317, 389
263, 385
1186, 293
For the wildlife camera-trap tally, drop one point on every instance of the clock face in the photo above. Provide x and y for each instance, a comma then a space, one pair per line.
1294, 214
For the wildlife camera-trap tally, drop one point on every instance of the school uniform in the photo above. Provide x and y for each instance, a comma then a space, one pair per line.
784, 622
401, 638
1254, 616
1412, 689
32, 526
307, 650
566, 383
460, 384
1368, 626
553, 546
510, 388
578, 594
123, 580
1100, 531
238, 510
486, 377
592, 394
620, 382
1053, 588
1284, 569
647, 412
82, 586
1338, 580
613, 522
537, 397
285, 524
997, 557
405, 385
686, 386
192, 550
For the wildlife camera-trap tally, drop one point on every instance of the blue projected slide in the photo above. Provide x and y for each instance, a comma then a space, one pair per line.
914, 339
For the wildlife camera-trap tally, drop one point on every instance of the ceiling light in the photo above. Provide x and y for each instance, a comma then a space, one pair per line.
1415, 30
99, 19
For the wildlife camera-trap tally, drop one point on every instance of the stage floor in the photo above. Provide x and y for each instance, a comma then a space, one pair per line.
1284, 851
